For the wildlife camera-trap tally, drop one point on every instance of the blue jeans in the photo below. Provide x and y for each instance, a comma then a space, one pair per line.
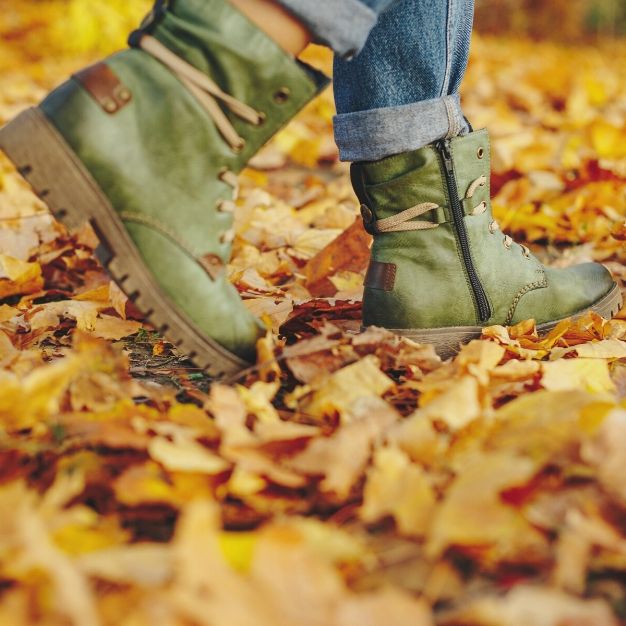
398, 68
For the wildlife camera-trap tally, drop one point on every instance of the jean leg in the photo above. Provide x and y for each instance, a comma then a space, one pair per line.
342, 25
401, 92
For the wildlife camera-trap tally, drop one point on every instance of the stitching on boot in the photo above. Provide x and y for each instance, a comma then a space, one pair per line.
138, 218
523, 291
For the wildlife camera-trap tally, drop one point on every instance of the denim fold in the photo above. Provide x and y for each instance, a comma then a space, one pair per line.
377, 133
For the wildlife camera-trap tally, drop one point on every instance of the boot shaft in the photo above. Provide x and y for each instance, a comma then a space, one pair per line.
448, 273
161, 150
223, 44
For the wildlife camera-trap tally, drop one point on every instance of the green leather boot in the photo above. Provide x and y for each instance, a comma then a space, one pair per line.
441, 270
147, 146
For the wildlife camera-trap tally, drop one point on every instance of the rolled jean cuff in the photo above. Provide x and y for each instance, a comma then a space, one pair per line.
343, 26
378, 133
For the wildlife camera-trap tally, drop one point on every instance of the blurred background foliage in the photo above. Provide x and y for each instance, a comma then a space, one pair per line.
572, 20
98, 26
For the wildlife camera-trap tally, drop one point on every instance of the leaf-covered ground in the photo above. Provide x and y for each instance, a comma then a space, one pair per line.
349, 478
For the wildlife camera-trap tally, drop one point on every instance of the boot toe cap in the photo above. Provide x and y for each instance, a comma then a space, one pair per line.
569, 291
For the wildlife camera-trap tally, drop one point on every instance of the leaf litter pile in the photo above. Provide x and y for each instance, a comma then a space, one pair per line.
349, 478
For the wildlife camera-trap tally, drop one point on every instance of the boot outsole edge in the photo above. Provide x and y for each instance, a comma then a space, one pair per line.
448, 341
56, 174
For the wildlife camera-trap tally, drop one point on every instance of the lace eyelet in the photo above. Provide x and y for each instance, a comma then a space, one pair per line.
110, 106
480, 153
228, 177
222, 205
282, 95
262, 119
227, 237
480, 209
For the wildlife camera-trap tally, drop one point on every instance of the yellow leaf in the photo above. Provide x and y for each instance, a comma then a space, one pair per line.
238, 549
98, 294
605, 349
8, 312
344, 387
258, 400
401, 489
473, 513
107, 327
186, 456
589, 374
19, 277
18, 271
607, 140
457, 406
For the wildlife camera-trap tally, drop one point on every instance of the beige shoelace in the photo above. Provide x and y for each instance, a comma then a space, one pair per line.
403, 221
208, 93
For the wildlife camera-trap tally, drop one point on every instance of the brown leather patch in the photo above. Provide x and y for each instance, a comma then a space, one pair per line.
381, 276
104, 87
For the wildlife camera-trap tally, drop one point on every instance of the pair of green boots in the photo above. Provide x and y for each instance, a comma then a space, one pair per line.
147, 146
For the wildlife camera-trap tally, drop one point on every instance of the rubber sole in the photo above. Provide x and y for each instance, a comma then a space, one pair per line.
56, 174
448, 341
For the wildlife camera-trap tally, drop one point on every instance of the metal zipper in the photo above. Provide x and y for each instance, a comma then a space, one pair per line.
484, 310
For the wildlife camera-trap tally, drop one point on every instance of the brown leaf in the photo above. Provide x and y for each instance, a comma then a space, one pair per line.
349, 251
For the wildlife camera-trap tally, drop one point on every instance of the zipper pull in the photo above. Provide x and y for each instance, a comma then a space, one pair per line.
444, 149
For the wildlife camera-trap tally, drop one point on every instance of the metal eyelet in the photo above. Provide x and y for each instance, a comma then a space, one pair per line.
225, 206
125, 95
282, 95
225, 174
227, 237
262, 119
479, 209
492, 228
239, 147
110, 106
480, 153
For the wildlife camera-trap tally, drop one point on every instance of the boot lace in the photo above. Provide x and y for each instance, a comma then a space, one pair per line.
404, 221
208, 93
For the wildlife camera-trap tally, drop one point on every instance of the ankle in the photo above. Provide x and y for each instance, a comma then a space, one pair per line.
277, 23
